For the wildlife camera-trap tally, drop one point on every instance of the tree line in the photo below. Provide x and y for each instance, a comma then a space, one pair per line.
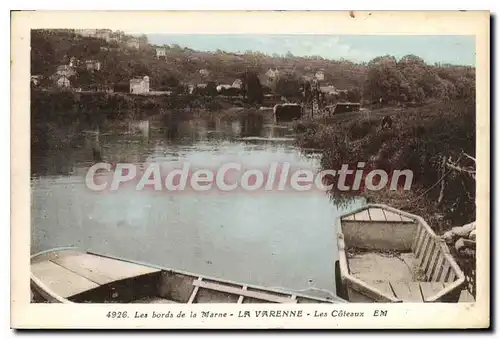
411, 80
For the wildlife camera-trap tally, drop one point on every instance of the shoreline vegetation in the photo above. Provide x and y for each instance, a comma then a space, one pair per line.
422, 139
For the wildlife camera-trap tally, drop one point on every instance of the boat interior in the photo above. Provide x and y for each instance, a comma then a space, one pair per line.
172, 287
398, 255
89, 278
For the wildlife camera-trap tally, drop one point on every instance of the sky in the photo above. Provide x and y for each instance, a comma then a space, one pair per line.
458, 50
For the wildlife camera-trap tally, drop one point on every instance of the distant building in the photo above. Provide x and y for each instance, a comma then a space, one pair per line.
73, 62
237, 83
193, 88
117, 36
204, 72
63, 82
270, 77
143, 41
86, 32
65, 70
272, 74
93, 65
221, 87
133, 43
161, 52
320, 75
104, 34
139, 85
330, 90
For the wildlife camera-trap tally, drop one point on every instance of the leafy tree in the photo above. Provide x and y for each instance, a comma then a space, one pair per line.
42, 54
354, 95
412, 80
172, 81
211, 89
384, 79
251, 88
288, 86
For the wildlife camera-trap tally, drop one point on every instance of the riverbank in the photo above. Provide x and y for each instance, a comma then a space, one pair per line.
419, 139
118, 105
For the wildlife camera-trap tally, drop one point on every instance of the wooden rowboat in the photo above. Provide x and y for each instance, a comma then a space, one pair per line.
69, 275
387, 255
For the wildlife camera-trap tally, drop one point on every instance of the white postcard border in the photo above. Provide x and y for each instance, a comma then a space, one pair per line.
26, 315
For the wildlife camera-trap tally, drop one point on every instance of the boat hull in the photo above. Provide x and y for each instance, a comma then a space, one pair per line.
69, 275
388, 255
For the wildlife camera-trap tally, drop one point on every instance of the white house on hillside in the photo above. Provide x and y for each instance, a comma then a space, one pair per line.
203, 72
133, 43
63, 82
93, 65
237, 83
105, 34
139, 85
320, 75
161, 52
65, 70
223, 86
117, 36
272, 73
329, 89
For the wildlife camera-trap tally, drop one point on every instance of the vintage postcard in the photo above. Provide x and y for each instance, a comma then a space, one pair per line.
250, 169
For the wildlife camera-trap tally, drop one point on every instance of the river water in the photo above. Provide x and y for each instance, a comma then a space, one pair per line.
284, 240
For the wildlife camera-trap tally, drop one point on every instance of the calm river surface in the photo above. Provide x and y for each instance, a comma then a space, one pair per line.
282, 240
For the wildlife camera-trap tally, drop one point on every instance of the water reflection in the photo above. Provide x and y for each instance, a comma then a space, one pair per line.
272, 239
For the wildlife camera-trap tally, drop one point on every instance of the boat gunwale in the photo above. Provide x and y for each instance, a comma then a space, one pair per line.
39, 286
345, 273
335, 299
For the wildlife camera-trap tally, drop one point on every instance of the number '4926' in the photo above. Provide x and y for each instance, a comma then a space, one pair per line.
117, 315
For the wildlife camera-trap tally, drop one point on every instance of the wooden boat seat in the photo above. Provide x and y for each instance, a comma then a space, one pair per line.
377, 214
407, 291
98, 269
60, 279
413, 291
243, 292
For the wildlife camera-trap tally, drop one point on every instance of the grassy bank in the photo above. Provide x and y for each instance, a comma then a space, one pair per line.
419, 139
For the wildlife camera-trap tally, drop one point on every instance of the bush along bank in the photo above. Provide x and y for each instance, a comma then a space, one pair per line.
430, 141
